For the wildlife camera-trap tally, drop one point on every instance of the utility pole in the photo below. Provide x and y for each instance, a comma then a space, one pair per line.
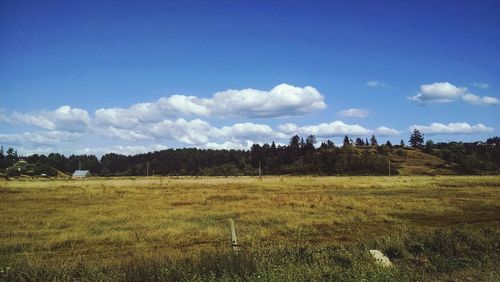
260, 171
147, 168
389, 167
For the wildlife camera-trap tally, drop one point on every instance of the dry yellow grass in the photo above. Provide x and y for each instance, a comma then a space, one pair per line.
105, 220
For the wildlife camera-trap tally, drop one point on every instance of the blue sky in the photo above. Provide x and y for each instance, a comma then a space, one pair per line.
72, 71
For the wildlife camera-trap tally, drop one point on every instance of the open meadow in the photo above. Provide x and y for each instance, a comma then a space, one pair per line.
289, 228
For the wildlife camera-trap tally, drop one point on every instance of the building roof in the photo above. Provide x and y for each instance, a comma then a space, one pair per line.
81, 173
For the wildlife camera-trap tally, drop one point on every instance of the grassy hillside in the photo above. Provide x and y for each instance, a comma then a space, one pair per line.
288, 227
415, 162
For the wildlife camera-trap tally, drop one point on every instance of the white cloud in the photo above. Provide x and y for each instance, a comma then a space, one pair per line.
476, 100
199, 132
63, 118
116, 117
173, 106
375, 83
481, 85
336, 128
40, 138
439, 92
123, 134
359, 113
192, 132
452, 128
281, 101
125, 150
248, 130
445, 92
386, 131
229, 145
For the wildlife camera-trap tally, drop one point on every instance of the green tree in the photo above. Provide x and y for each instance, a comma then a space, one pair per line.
373, 141
346, 141
416, 139
359, 142
429, 146
310, 141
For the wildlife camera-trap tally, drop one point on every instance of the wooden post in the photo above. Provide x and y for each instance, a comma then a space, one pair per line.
234, 241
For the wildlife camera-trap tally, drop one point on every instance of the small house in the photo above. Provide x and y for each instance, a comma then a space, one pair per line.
80, 174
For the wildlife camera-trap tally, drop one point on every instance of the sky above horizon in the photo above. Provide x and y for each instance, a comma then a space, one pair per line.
93, 77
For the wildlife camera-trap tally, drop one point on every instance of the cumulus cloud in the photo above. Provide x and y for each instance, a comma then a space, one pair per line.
249, 131
445, 92
199, 132
40, 138
359, 113
188, 132
452, 128
165, 117
386, 131
176, 105
124, 150
281, 101
439, 92
228, 145
476, 100
332, 129
122, 134
375, 83
63, 118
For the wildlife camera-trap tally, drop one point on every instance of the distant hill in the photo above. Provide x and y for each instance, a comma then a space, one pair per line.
416, 162
299, 157
24, 168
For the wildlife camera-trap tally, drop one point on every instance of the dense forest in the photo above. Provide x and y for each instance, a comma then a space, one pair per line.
353, 157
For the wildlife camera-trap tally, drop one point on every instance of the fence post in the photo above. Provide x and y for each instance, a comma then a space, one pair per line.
234, 241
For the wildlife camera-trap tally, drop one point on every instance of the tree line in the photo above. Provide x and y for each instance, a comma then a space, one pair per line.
299, 156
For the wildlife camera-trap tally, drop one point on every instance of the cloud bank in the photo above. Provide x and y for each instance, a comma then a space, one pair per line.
283, 100
187, 121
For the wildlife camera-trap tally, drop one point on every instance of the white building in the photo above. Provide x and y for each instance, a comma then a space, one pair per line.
80, 174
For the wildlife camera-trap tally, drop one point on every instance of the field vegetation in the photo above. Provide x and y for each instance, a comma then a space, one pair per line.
289, 228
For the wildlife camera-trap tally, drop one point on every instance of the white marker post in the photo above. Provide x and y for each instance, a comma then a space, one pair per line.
234, 241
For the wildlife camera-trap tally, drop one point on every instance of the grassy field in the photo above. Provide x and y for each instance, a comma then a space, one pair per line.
297, 228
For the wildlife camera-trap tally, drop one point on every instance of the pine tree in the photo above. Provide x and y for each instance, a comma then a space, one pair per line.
416, 139
373, 141
346, 141
359, 142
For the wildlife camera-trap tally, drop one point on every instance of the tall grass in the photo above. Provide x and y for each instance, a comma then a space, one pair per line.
463, 253
289, 227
